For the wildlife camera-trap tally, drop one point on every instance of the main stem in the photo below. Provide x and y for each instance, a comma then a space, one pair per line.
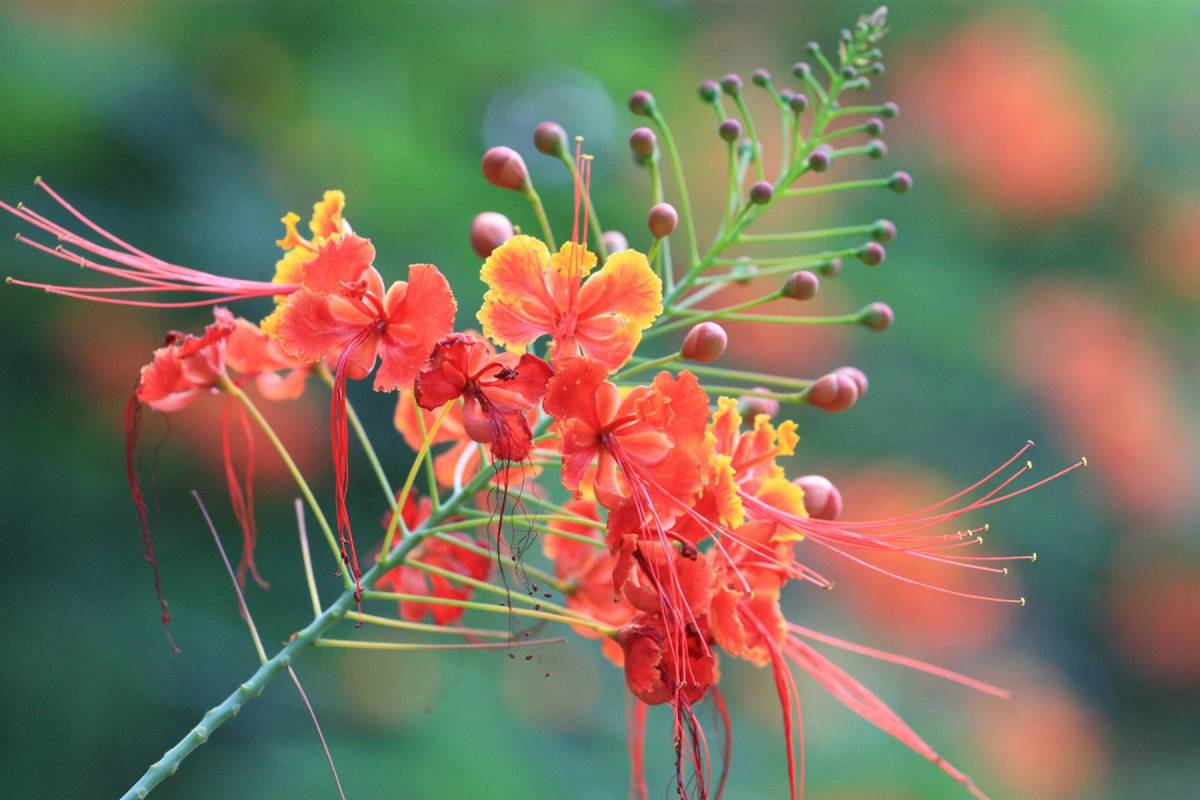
219, 714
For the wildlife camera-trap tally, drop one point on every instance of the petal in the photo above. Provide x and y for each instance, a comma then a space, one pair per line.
509, 324
406, 422
625, 285
338, 262
307, 330
523, 384
327, 214
517, 308
572, 392
608, 340
415, 323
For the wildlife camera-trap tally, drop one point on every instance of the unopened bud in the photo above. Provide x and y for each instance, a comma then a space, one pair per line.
760, 77
730, 130
812, 48
489, 230
801, 285
831, 268
641, 103
877, 149
731, 84
615, 241
662, 220
883, 231
833, 392
786, 96
504, 167
551, 139
822, 500
709, 90
858, 376
889, 110
705, 342
799, 103
877, 316
900, 182
642, 142
751, 406
761, 193
820, 159
873, 126
872, 254
801, 70
849, 72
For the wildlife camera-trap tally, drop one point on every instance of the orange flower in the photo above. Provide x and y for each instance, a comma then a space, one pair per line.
533, 294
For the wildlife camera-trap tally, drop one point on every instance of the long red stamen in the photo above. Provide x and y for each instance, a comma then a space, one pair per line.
241, 493
635, 734
340, 445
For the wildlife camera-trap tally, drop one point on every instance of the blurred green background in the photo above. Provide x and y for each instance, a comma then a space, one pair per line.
1046, 281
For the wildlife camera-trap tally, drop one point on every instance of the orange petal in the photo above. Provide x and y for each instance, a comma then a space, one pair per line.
327, 215
424, 315
338, 262
626, 286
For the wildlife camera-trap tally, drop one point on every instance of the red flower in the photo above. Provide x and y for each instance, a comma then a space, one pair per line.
185, 366
497, 391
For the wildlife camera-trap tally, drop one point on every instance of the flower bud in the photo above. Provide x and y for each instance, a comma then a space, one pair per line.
489, 230
705, 342
889, 110
877, 149
786, 95
504, 167
900, 182
760, 77
822, 500
731, 84
801, 286
761, 193
831, 268
642, 142
849, 72
883, 231
799, 103
709, 90
855, 374
551, 139
801, 70
662, 220
812, 48
750, 406
873, 127
833, 392
615, 241
872, 254
877, 316
730, 130
820, 159
641, 103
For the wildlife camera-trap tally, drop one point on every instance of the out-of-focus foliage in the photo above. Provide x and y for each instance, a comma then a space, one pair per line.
1046, 285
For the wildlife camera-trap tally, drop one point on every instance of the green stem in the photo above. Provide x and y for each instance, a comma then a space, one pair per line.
647, 365
228, 386
742, 375
756, 155
691, 318
803, 236
825, 188
685, 203
539, 211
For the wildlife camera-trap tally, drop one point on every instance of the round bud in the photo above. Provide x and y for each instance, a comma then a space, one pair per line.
551, 139
883, 231
760, 77
812, 48
750, 406
822, 500
849, 72
709, 90
786, 95
877, 149
855, 374
831, 268
801, 70
872, 254
614, 241
873, 126
877, 316
833, 392
642, 142
705, 342
731, 84
745, 150
489, 230
662, 220
504, 167
730, 130
799, 103
900, 182
801, 285
761, 193
641, 103
820, 159
889, 110
743, 272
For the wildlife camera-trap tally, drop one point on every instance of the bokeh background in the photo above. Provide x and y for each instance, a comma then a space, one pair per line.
1046, 281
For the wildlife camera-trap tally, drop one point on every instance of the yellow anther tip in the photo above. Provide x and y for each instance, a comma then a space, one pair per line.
1083, 459
1028, 465
1005, 570
1033, 559
987, 526
1022, 601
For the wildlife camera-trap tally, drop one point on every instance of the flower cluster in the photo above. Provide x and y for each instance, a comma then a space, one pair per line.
659, 485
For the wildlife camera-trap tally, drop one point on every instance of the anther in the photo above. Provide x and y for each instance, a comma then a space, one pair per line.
1004, 570
1028, 465
1033, 557
1022, 602
1083, 460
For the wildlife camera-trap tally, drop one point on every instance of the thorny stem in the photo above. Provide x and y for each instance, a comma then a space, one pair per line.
227, 385
306, 638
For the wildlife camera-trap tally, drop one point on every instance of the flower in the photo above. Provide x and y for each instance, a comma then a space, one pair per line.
185, 366
497, 391
533, 294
